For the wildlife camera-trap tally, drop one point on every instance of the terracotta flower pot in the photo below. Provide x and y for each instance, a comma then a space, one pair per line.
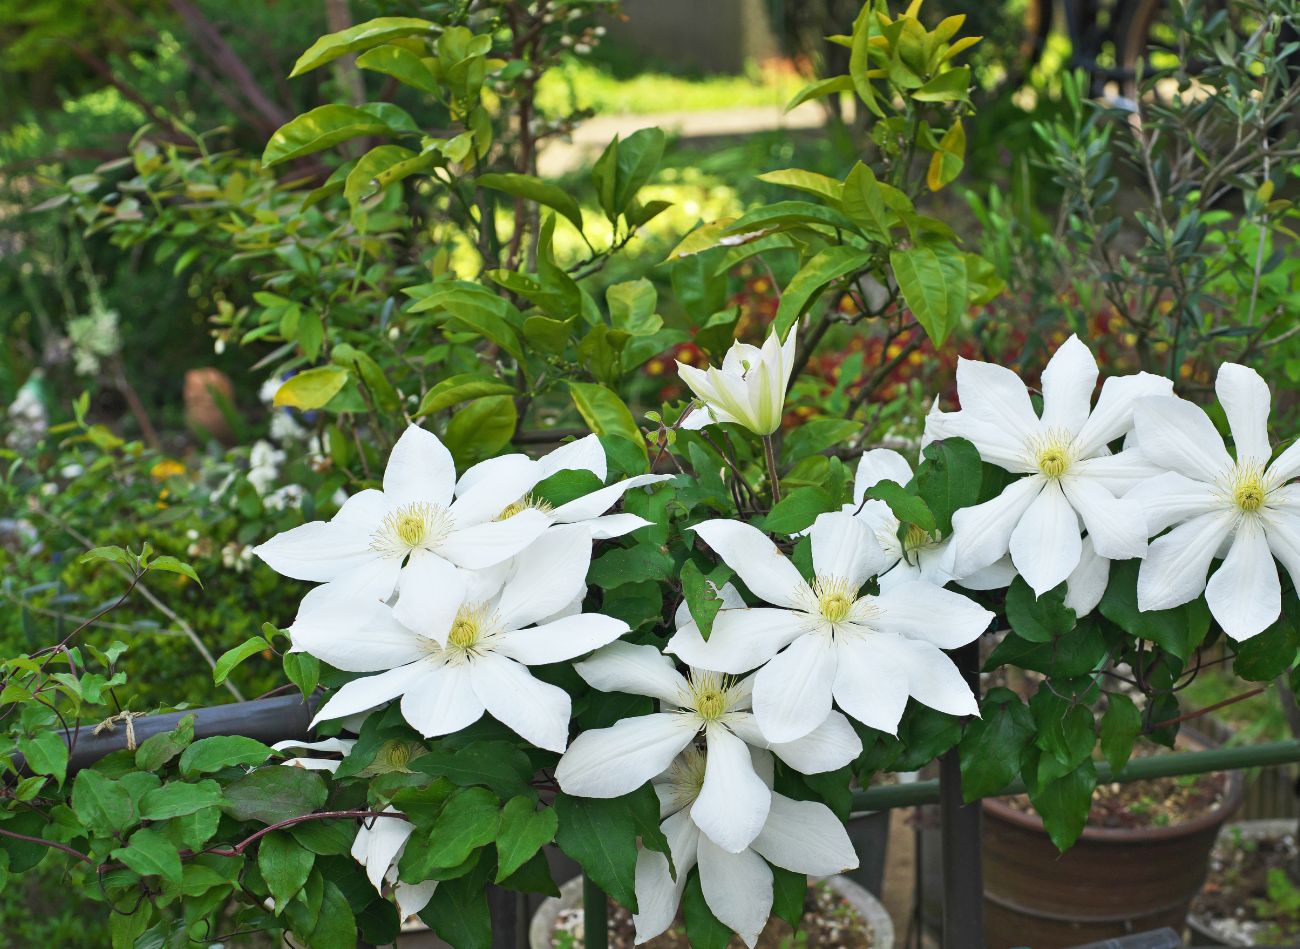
1112, 882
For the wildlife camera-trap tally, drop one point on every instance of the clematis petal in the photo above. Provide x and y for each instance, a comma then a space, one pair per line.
792, 693
932, 678
737, 887
1174, 569
1067, 382
1245, 398
1112, 416
844, 546
1045, 544
998, 445
701, 416
1172, 498
430, 593
379, 843
756, 560
1117, 473
981, 534
995, 395
361, 636
443, 703
1287, 465
732, 804
613, 761
1282, 528
805, 837
581, 454
1178, 435
485, 545
545, 576
1085, 587
995, 576
508, 480
1244, 594
323, 550
560, 639
536, 711
869, 685
1117, 527
420, 469
828, 747
877, 465
657, 894
609, 526
371, 691
918, 609
411, 898
742, 639
599, 501
638, 670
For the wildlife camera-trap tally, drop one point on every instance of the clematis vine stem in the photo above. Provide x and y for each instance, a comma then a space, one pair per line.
770, 454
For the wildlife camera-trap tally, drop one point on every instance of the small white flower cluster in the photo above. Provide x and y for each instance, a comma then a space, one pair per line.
94, 337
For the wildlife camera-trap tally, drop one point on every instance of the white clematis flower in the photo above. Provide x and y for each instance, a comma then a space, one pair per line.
799, 836
339, 746
378, 847
749, 389
826, 638
1242, 510
585, 454
1069, 474
484, 664
733, 801
412, 536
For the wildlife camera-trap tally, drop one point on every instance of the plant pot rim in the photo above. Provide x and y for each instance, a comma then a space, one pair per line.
998, 808
872, 910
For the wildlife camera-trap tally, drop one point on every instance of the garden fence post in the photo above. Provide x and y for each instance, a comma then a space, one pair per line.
963, 874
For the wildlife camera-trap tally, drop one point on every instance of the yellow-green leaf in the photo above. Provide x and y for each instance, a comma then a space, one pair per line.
604, 412
311, 388
362, 36
402, 64
318, 129
807, 181
946, 163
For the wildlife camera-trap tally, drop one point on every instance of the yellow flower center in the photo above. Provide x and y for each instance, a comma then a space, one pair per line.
1249, 488
1051, 453
834, 598
526, 503
469, 628
711, 694
415, 526
1053, 461
685, 777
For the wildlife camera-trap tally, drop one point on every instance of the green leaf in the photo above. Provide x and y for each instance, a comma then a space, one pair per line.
111, 554
458, 911
947, 161
604, 412
362, 36
601, 835
809, 182
534, 189
949, 479
222, 751
149, 853
274, 794
170, 564
336, 925
1038, 619
788, 892
481, 429
637, 157
195, 830
701, 598
311, 388
819, 89
232, 657
101, 804
524, 831
1179, 630
156, 750
702, 928
860, 59
366, 177
468, 821
319, 129
1064, 804
46, 753
498, 765
992, 744
386, 397
461, 388
932, 278
285, 865
403, 65
816, 436
1120, 727
798, 509
951, 86
787, 214
1269, 654
632, 307
176, 799
825, 267
624, 565
908, 508
863, 200
303, 670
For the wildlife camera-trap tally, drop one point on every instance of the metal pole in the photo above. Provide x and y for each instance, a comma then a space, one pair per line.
595, 913
963, 872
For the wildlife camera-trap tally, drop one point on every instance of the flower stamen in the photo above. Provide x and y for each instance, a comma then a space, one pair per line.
835, 598
1248, 487
711, 694
1052, 453
471, 626
527, 503
415, 526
